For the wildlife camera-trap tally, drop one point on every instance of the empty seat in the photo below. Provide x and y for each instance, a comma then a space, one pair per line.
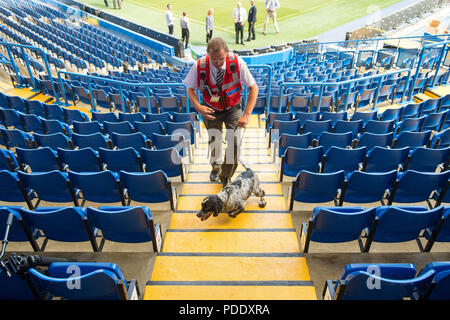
104, 116
336, 224
367, 187
371, 140
166, 160
53, 141
296, 141
148, 187
100, 187
379, 127
127, 225
329, 139
149, 128
298, 159
381, 159
126, 159
8, 160
337, 159
311, 187
316, 127
89, 127
68, 224
343, 126
52, 186
94, 141
80, 160
12, 190
42, 159
122, 127
412, 139
394, 224
414, 186
426, 159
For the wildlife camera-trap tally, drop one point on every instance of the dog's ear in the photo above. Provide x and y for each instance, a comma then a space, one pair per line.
218, 207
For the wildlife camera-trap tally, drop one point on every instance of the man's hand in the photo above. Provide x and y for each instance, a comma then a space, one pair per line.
206, 112
243, 121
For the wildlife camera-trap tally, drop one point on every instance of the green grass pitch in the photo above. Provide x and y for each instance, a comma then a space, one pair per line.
297, 19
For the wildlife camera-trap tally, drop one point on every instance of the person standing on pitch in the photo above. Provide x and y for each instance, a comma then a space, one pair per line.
271, 7
220, 76
251, 21
209, 24
184, 24
239, 17
169, 18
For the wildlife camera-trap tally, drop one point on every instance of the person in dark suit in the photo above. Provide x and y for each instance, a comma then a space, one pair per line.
251, 21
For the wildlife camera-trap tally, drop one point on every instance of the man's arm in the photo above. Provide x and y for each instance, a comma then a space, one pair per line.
251, 100
205, 111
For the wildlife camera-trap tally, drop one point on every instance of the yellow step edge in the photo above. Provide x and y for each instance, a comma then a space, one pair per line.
159, 292
204, 177
222, 241
240, 168
214, 188
224, 221
439, 91
205, 268
272, 203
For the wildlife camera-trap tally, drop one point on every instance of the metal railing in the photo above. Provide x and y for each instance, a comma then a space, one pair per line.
121, 84
347, 83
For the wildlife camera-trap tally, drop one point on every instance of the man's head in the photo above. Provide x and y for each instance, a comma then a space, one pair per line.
184, 13
252, 2
217, 51
169, 6
239, 4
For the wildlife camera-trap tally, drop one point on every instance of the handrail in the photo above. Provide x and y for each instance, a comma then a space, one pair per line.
22, 47
419, 63
342, 83
269, 68
120, 83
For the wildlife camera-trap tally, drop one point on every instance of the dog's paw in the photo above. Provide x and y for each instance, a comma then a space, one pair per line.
262, 203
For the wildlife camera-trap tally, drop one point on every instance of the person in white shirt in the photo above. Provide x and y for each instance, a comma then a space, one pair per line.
184, 24
239, 17
271, 7
209, 24
220, 76
169, 18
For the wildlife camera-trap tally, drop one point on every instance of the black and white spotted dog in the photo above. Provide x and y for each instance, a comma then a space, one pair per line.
232, 198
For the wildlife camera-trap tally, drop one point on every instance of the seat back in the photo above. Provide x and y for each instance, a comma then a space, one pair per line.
126, 159
166, 160
298, 159
316, 127
80, 160
94, 141
337, 159
42, 159
381, 159
329, 139
339, 224
426, 159
89, 127
313, 187
147, 187
297, 141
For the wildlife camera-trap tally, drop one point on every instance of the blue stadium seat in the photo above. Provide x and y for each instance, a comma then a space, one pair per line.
127, 159
134, 140
329, 139
316, 127
412, 140
410, 124
337, 159
99, 187
32, 123
104, 116
393, 224
310, 187
8, 160
414, 186
298, 159
126, 225
352, 285
38, 160
20, 230
435, 121
122, 127
166, 160
355, 127
97, 281
280, 127
53, 141
149, 128
381, 159
379, 127
17, 138
303, 116
52, 186
440, 232
147, 187
441, 139
335, 225
80, 160
427, 159
67, 224
94, 141
371, 140
89, 127
297, 141
367, 187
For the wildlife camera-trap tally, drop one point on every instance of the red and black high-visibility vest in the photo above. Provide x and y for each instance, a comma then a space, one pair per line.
230, 90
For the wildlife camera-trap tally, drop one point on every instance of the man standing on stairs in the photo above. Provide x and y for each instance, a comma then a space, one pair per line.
219, 75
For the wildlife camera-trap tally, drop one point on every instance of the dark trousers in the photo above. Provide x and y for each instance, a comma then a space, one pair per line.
215, 139
209, 35
171, 29
251, 30
239, 32
185, 36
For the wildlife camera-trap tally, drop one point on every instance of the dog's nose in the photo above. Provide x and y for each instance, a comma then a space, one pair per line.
199, 214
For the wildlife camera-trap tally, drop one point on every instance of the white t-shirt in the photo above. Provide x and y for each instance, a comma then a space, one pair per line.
244, 74
169, 18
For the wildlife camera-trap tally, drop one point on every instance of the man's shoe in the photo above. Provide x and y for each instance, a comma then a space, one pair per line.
243, 43
214, 176
253, 38
248, 39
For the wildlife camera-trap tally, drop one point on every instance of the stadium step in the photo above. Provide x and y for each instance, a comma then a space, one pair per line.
254, 256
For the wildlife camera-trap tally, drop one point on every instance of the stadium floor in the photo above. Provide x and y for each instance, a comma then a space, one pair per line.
255, 256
